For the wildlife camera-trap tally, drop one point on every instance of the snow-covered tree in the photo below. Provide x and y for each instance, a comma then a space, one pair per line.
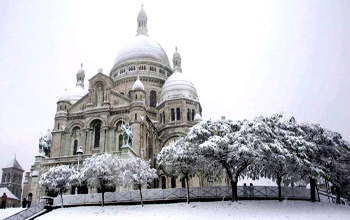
332, 155
181, 159
285, 152
103, 172
59, 179
231, 146
138, 172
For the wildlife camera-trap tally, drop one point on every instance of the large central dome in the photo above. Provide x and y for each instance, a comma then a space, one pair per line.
142, 48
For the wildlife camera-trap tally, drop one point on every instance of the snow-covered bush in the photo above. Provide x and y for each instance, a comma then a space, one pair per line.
137, 172
102, 171
59, 179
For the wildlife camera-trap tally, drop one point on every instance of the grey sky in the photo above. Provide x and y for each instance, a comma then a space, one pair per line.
245, 58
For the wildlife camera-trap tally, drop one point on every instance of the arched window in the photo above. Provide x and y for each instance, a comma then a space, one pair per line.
136, 96
163, 117
135, 116
188, 114
172, 114
75, 147
153, 98
60, 107
193, 113
120, 142
129, 94
97, 134
178, 113
173, 182
150, 149
8, 177
65, 107
163, 179
122, 93
58, 126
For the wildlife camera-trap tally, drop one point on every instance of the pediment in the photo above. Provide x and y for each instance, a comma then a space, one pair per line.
80, 105
100, 77
117, 99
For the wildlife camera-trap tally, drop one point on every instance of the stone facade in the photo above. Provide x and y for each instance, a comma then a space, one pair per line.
157, 101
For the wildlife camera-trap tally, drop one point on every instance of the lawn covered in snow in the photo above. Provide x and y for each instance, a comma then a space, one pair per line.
4, 213
252, 210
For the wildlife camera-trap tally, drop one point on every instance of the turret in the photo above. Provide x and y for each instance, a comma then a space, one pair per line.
142, 23
177, 61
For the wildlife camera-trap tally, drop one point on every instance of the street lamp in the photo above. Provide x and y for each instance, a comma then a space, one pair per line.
80, 152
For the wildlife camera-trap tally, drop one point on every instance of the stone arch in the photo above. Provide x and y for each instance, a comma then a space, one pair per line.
74, 124
116, 119
171, 137
88, 124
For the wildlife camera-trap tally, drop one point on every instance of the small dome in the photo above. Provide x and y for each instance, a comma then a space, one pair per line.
64, 96
176, 54
142, 14
76, 94
178, 86
81, 70
197, 118
138, 85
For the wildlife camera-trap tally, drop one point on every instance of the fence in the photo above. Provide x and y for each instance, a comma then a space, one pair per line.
223, 192
29, 213
328, 197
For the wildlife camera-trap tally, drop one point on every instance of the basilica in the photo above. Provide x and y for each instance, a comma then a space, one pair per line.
142, 90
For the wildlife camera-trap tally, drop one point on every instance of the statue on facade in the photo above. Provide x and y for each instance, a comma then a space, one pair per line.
99, 95
127, 134
45, 144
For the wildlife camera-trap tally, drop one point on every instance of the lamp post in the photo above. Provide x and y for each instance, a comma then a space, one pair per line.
80, 152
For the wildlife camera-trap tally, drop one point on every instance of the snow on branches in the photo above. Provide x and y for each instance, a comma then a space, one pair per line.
138, 172
103, 172
59, 179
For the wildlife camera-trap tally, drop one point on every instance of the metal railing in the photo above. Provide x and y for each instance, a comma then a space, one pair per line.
29, 212
223, 192
326, 196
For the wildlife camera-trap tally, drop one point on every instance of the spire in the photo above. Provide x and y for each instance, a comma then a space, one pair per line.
142, 22
80, 77
177, 61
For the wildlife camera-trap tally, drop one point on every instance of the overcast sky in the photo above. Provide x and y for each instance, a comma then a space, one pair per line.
245, 58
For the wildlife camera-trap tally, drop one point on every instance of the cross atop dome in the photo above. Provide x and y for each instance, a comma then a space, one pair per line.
142, 22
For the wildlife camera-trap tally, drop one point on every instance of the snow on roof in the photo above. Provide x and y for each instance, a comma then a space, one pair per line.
14, 163
8, 193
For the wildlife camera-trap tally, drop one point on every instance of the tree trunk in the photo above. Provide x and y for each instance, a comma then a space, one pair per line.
313, 189
141, 195
279, 180
188, 189
337, 189
233, 185
61, 197
103, 194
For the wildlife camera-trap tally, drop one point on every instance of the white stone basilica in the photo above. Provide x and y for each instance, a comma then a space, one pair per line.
159, 102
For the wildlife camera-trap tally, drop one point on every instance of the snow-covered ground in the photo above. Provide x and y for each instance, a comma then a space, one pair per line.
4, 213
252, 210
